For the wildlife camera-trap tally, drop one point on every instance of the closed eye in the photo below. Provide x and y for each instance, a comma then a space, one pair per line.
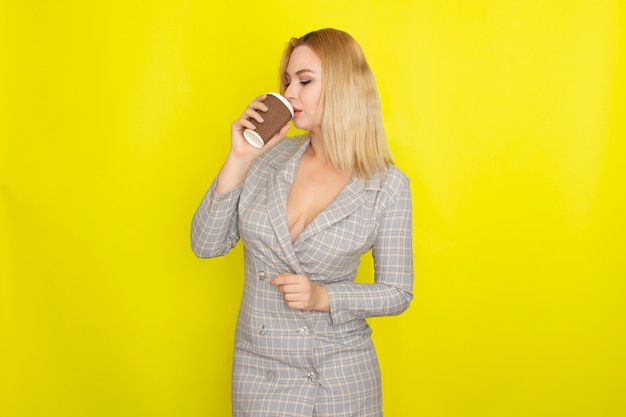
303, 82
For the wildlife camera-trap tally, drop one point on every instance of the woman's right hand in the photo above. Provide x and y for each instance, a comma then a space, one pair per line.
242, 154
240, 148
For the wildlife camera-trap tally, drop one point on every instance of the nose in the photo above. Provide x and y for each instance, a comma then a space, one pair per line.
289, 93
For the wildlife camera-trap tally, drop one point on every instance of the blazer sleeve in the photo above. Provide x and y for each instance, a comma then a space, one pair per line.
391, 293
214, 228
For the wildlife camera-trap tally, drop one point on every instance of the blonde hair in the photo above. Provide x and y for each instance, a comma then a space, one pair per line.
349, 109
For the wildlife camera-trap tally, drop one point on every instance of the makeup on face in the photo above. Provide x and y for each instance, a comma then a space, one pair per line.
304, 85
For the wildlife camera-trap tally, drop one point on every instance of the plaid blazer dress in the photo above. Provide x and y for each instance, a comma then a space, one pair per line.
290, 362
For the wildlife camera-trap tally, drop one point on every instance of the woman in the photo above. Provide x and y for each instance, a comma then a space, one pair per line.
306, 209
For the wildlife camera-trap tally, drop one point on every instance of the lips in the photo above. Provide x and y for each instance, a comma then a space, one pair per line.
296, 112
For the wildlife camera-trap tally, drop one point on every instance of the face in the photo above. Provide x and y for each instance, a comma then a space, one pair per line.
304, 86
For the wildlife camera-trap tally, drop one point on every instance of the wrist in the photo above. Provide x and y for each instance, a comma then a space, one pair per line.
239, 160
321, 299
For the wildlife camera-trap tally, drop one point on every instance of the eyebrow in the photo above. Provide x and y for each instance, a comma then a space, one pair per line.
300, 72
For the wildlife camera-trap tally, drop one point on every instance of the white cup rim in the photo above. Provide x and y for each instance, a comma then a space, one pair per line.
284, 100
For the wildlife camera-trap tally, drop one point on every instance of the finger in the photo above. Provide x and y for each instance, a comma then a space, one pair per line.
281, 279
292, 298
252, 111
291, 289
244, 121
286, 289
252, 114
296, 305
242, 124
289, 298
258, 105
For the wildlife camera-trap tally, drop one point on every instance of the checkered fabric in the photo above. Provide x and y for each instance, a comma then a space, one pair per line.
295, 363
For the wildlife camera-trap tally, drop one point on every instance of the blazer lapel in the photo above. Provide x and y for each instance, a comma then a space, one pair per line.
279, 184
351, 197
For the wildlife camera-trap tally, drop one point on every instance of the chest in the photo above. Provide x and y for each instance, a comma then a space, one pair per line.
330, 245
314, 189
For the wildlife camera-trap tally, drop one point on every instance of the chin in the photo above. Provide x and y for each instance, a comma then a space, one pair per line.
301, 126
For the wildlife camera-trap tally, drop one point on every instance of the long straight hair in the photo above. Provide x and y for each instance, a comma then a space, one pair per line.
349, 111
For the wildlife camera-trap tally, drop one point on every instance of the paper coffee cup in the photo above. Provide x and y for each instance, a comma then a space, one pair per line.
279, 112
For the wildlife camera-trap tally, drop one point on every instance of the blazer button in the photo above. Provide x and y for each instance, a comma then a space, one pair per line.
312, 376
304, 331
263, 330
261, 275
270, 375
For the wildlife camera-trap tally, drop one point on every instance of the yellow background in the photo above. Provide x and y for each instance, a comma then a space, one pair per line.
509, 117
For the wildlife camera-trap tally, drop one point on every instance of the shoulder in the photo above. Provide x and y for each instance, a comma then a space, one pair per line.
282, 152
275, 158
386, 189
396, 178
392, 181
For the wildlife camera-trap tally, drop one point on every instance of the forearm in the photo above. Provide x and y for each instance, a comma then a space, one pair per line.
232, 173
353, 300
214, 229
392, 252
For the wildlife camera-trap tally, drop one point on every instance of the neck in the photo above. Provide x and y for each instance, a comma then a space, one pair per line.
316, 149
316, 152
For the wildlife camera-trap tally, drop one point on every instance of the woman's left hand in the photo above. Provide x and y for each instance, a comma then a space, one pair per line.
301, 293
